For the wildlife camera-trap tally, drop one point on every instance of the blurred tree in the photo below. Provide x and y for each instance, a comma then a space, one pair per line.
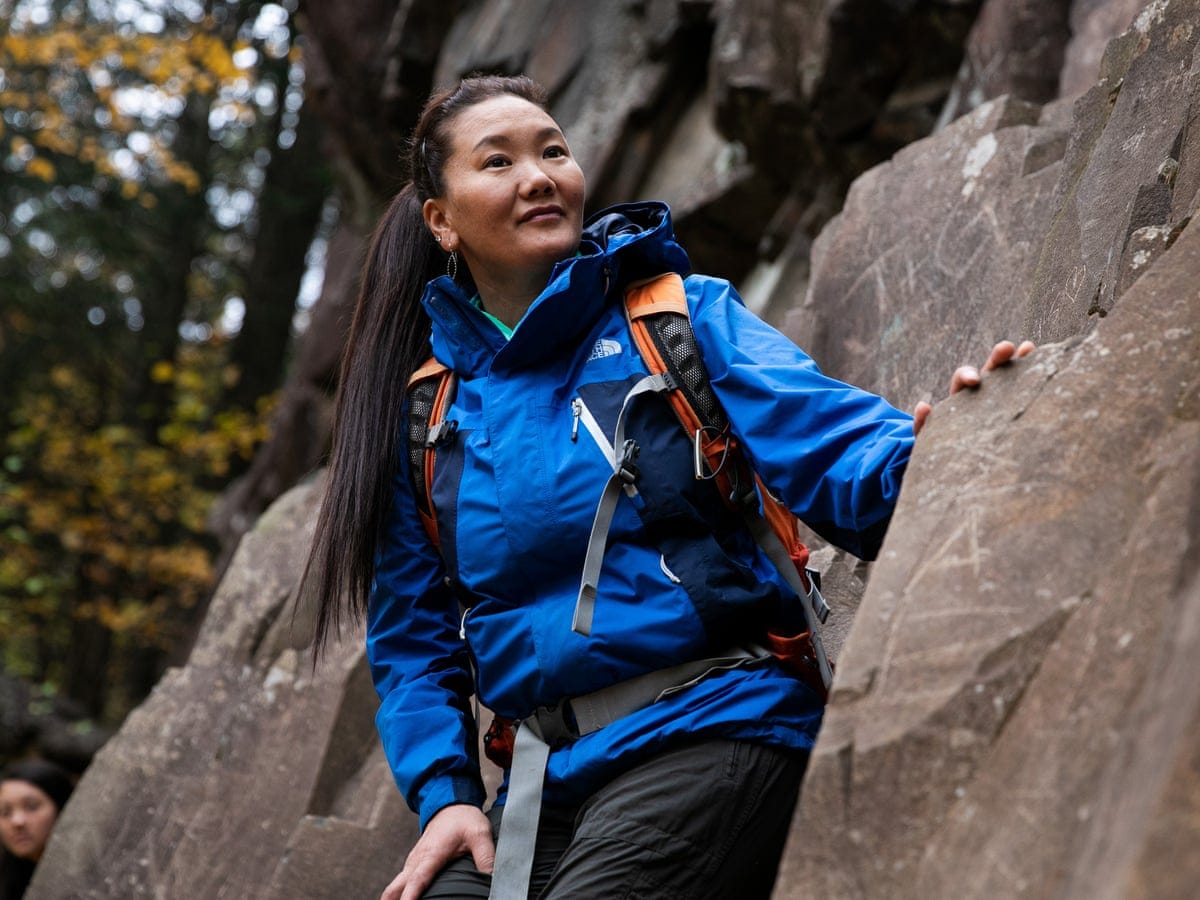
161, 186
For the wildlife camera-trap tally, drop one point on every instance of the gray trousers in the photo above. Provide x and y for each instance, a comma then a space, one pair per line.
706, 820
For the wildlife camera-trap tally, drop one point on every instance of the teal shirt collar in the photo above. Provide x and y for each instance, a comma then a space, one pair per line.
500, 326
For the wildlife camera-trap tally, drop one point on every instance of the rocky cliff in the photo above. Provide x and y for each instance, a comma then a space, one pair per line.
1016, 711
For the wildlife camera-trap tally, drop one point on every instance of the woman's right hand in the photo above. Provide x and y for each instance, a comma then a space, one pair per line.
968, 376
452, 832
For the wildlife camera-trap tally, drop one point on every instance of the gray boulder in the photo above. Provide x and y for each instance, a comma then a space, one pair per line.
1015, 712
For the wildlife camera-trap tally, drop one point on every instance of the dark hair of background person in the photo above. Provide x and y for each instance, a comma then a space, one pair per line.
388, 341
15, 872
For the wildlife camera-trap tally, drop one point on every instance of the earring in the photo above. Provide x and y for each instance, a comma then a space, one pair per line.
452, 265
438, 238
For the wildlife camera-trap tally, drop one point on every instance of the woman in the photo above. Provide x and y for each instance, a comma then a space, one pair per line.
32, 794
688, 796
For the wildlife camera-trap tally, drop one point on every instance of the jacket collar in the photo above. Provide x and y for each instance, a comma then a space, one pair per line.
621, 244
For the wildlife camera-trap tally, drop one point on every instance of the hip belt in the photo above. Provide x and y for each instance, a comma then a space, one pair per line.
553, 726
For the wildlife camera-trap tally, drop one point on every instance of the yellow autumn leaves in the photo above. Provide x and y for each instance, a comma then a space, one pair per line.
113, 507
61, 84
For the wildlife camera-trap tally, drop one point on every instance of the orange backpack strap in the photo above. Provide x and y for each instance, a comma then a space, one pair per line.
430, 393
651, 305
662, 329
661, 326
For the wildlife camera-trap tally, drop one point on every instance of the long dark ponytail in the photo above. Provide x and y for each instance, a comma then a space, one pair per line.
388, 340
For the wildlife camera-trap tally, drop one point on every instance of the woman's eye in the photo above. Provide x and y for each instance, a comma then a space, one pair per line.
495, 162
554, 152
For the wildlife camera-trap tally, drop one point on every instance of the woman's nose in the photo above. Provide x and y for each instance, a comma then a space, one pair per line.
537, 182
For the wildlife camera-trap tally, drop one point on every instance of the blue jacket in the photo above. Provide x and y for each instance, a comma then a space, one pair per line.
516, 493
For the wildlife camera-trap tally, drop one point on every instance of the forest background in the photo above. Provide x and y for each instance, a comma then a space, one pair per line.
164, 207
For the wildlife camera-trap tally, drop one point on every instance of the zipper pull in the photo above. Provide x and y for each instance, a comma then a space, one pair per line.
576, 413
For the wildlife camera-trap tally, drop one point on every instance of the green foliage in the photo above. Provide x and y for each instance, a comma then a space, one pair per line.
104, 524
130, 158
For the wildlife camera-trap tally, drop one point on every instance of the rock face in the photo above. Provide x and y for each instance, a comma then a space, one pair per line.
1017, 219
932, 252
1016, 711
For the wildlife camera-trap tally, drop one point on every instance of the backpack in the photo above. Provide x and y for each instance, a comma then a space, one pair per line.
660, 324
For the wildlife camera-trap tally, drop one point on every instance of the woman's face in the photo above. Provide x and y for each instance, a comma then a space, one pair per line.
26, 816
513, 203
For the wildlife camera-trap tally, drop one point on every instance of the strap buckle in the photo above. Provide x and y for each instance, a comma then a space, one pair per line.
815, 599
554, 724
625, 467
441, 433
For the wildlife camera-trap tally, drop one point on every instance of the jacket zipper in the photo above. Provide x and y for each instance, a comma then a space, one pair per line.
580, 414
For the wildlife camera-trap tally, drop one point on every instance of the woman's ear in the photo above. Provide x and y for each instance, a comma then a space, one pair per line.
439, 223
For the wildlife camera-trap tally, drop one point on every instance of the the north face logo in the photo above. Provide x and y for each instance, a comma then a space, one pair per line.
604, 347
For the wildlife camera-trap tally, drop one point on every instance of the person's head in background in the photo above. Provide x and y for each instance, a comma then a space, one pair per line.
32, 793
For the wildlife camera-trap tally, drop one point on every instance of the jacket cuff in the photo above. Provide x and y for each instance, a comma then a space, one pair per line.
443, 792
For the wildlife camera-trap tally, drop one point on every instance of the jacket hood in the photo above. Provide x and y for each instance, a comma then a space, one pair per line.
637, 239
619, 245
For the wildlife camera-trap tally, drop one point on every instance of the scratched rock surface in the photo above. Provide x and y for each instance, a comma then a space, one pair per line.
1015, 219
245, 774
1016, 712
1036, 50
925, 263
1133, 162
977, 232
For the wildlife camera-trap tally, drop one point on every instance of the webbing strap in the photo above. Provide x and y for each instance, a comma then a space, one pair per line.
811, 601
623, 476
600, 708
519, 822
585, 603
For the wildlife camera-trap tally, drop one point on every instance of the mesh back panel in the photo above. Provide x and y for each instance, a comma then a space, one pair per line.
419, 410
676, 342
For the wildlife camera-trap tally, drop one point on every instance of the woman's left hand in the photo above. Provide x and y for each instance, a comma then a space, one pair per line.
968, 376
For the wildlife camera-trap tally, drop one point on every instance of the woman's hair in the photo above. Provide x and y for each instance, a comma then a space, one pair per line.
56, 784
53, 781
389, 339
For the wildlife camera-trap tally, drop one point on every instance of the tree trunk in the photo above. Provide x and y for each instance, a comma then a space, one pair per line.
179, 226
289, 211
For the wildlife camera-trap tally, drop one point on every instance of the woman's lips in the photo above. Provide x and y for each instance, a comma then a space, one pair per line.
541, 212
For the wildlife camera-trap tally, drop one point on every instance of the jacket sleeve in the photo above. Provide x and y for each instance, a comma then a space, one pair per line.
420, 667
834, 453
